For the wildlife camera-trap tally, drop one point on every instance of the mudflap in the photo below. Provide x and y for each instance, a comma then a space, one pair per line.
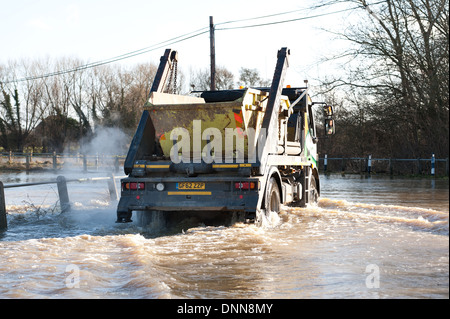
123, 212
124, 217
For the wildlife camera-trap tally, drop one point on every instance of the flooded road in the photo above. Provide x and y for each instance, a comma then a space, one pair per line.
367, 238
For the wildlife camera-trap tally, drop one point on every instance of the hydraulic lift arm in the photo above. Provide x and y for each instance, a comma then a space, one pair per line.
141, 146
270, 120
166, 64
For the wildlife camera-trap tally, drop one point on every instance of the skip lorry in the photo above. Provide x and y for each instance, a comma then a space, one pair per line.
247, 151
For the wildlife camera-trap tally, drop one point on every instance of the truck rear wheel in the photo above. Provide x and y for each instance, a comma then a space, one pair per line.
268, 217
153, 220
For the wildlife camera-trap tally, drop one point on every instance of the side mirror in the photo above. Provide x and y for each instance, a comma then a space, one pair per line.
328, 111
329, 127
329, 122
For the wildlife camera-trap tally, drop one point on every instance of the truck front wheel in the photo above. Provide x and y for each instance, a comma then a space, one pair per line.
313, 193
273, 202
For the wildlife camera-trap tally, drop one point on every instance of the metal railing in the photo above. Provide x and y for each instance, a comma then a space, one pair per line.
367, 164
57, 160
63, 193
418, 166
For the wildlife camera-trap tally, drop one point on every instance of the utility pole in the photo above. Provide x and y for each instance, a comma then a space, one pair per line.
213, 54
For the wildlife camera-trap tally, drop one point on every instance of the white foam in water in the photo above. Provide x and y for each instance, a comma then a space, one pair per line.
267, 220
415, 217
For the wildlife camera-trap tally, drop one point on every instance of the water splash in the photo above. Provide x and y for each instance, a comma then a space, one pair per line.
415, 217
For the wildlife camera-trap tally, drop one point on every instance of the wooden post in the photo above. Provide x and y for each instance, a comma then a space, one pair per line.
84, 163
63, 194
433, 163
27, 162
116, 164
3, 220
213, 54
55, 161
112, 188
446, 166
343, 165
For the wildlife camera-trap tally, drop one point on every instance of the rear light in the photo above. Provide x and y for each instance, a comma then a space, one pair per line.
244, 185
133, 186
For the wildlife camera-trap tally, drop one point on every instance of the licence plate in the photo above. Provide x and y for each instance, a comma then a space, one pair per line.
190, 185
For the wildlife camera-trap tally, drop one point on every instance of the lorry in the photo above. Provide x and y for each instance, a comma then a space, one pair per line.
247, 151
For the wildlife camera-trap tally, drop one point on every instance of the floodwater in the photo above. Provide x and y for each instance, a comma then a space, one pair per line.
371, 237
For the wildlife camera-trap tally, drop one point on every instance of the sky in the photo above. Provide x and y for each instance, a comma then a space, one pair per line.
96, 30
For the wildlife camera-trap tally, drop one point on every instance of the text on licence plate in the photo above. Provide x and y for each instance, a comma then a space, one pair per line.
190, 185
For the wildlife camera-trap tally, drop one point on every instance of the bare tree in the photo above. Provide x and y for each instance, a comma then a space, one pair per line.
21, 105
201, 79
55, 127
398, 60
251, 78
76, 84
120, 94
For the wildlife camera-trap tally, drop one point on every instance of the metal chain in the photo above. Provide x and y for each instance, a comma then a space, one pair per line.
169, 84
175, 69
172, 76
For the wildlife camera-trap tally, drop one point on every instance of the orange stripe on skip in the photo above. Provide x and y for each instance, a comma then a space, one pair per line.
238, 118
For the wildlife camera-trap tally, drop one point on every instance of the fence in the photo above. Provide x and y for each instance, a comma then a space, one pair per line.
393, 166
63, 194
29, 161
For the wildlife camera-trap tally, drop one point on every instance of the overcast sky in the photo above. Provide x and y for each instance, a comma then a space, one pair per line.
95, 30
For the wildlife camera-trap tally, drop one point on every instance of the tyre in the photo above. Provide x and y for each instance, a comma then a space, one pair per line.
153, 220
273, 199
268, 216
313, 193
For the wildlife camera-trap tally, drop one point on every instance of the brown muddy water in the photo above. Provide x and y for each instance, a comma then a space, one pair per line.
371, 237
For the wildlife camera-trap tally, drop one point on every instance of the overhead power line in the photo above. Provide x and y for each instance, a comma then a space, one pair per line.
277, 14
286, 21
178, 39
154, 47
261, 17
